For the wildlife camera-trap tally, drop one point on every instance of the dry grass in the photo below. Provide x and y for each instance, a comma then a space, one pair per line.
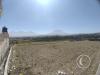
47, 58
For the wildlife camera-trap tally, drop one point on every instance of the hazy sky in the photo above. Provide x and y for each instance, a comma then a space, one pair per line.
44, 16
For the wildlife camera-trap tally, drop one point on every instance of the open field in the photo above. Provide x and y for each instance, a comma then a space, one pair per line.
47, 58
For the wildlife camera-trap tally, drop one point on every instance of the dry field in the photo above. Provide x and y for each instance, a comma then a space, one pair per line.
49, 58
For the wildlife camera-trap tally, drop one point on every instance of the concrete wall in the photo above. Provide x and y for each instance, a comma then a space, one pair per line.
4, 45
3, 49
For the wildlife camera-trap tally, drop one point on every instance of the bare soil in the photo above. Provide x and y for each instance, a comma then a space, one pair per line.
47, 58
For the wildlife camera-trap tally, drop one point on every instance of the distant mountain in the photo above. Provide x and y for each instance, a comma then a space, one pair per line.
22, 34
97, 33
57, 32
32, 34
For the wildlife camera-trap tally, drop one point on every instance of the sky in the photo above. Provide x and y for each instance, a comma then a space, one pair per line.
45, 16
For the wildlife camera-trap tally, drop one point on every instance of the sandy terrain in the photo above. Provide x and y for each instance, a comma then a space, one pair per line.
52, 58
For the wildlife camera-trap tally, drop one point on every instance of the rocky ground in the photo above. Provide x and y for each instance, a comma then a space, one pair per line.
55, 58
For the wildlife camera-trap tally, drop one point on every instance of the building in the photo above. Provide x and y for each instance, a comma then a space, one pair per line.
4, 33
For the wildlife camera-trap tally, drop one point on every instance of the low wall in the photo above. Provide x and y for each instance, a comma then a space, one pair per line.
4, 48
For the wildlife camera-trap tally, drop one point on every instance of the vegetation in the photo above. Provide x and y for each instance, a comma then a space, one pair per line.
80, 37
47, 58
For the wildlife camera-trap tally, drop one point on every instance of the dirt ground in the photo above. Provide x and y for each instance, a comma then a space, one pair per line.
55, 58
